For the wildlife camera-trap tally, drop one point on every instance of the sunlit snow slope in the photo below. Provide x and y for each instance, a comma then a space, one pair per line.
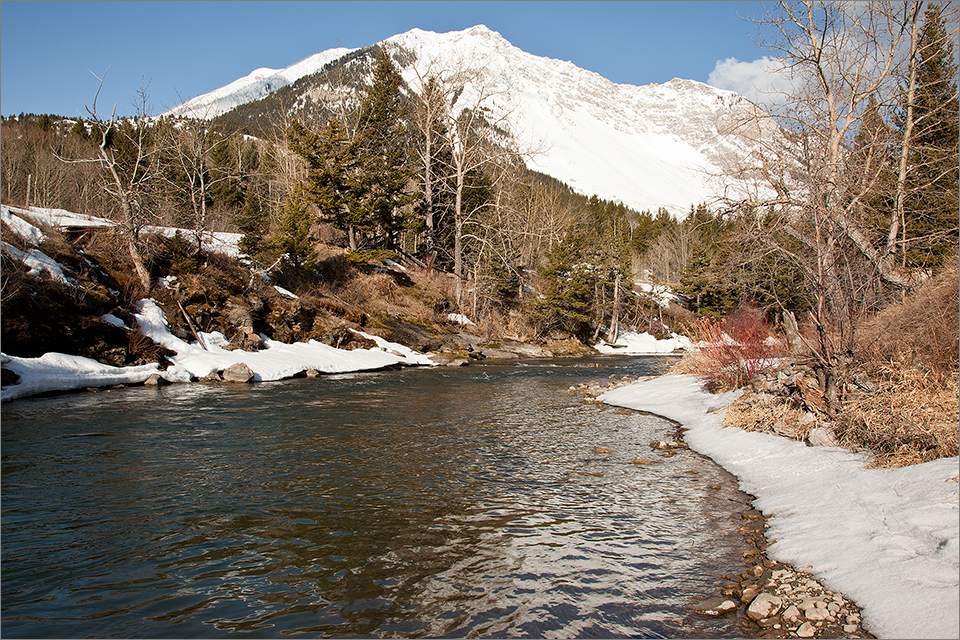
647, 147
253, 86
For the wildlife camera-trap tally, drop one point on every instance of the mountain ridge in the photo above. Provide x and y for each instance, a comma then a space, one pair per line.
647, 146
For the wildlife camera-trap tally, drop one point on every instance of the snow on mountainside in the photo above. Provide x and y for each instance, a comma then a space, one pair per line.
645, 146
253, 86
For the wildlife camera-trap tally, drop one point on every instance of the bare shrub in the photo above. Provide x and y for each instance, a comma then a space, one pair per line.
13, 279
140, 346
731, 352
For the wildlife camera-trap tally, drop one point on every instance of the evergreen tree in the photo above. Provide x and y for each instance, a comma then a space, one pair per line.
932, 201
252, 223
333, 182
292, 237
872, 170
381, 145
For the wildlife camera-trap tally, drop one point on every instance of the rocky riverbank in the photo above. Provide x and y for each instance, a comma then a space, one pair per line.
770, 599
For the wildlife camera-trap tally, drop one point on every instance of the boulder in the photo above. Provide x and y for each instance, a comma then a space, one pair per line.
155, 380
240, 316
238, 372
765, 605
822, 437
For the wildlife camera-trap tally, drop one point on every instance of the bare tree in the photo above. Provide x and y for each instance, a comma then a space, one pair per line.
127, 157
188, 172
809, 207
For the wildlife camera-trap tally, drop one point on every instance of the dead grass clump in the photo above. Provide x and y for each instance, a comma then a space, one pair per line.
922, 331
768, 413
912, 417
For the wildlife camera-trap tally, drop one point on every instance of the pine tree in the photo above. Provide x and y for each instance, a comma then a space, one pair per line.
932, 203
381, 144
333, 181
292, 238
871, 169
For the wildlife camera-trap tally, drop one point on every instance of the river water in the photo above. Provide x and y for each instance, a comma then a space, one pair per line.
415, 503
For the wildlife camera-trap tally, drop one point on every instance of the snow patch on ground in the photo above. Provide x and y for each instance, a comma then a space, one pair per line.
629, 343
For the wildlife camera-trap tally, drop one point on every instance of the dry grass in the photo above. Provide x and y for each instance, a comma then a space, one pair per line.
911, 351
770, 414
922, 331
912, 417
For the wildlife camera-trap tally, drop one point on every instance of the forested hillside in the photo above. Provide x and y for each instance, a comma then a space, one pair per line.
378, 181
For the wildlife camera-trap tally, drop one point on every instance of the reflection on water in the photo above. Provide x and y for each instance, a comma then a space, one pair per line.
423, 502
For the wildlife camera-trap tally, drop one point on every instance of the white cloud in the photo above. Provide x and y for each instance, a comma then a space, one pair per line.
762, 81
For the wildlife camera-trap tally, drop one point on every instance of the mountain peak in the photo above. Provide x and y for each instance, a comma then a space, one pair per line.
646, 146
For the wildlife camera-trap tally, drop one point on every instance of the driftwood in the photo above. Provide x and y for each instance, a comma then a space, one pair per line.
193, 328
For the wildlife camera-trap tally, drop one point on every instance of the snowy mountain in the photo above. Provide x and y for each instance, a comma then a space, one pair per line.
659, 145
254, 86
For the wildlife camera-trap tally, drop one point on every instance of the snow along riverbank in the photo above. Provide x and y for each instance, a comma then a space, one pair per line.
887, 538
61, 372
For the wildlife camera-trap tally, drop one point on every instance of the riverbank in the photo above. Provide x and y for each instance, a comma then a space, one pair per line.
886, 538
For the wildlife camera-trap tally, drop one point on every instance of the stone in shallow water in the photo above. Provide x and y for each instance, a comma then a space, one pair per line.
714, 607
238, 372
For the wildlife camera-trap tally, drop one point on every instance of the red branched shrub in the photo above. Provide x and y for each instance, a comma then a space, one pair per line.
733, 351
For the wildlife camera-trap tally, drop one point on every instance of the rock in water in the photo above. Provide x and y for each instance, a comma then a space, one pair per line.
714, 607
154, 380
238, 372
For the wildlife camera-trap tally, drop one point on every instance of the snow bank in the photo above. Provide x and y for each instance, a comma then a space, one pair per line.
886, 538
21, 227
38, 262
643, 344
61, 372
275, 362
60, 217
218, 242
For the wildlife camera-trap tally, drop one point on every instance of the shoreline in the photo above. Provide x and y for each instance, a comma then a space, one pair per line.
769, 599
886, 538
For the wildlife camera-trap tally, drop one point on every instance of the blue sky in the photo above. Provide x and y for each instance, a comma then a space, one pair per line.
50, 51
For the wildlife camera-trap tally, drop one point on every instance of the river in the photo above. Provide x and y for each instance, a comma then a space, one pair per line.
424, 502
